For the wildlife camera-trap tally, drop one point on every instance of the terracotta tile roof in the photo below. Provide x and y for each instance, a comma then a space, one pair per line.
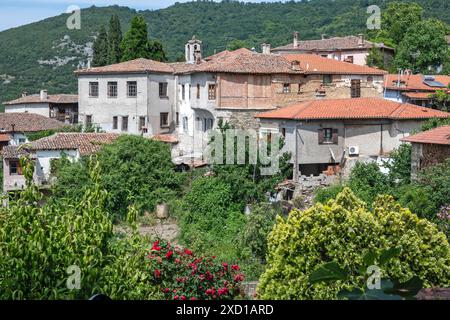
133, 66
413, 82
36, 98
439, 135
28, 122
360, 108
168, 138
241, 61
5, 137
315, 64
85, 143
332, 44
418, 95
15, 152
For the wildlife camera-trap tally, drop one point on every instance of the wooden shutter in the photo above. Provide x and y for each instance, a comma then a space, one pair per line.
335, 136
321, 136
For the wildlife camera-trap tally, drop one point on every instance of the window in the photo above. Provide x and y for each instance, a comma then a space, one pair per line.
115, 123
132, 89
163, 89
22, 140
356, 88
327, 79
286, 88
164, 119
369, 80
112, 89
349, 59
212, 92
198, 91
328, 136
207, 124
88, 121
141, 123
93, 89
185, 124
177, 119
183, 92
125, 123
14, 168
299, 88
283, 132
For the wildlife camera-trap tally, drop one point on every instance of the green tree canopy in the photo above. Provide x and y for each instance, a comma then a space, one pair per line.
424, 47
343, 231
100, 48
399, 17
136, 44
114, 40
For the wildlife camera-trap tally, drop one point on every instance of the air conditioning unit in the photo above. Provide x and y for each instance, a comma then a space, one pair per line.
353, 151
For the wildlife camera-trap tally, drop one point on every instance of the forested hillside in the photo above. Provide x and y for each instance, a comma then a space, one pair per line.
45, 54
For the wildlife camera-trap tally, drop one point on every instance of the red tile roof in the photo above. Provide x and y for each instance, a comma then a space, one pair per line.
36, 98
315, 64
133, 66
5, 137
413, 82
28, 122
332, 44
439, 135
15, 152
168, 138
241, 61
360, 108
85, 143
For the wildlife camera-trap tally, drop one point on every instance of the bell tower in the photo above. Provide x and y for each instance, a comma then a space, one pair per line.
193, 50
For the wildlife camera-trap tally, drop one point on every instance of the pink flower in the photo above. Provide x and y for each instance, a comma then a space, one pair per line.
225, 266
157, 273
156, 246
188, 252
193, 298
239, 278
169, 255
235, 267
175, 298
183, 297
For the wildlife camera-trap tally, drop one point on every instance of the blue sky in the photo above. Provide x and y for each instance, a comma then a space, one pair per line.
14, 13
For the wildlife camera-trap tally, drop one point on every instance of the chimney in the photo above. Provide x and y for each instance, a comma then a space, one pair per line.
323, 36
265, 48
361, 40
89, 63
295, 65
24, 94
296, 36
43, 95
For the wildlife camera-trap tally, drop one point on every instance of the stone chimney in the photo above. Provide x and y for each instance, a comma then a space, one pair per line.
360, 40
295, 65
43, 95
24, 94
296, 37
265, 48
323, 36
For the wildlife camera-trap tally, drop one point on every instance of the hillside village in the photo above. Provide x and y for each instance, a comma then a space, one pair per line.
142, 130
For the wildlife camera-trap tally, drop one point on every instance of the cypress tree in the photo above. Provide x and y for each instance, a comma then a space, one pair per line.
114, 40
136, 44
100, 48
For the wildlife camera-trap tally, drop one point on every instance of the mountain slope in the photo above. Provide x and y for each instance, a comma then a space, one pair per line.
45, 54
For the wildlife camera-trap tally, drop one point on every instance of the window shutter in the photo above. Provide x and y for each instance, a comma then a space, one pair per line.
335, 136
321, 136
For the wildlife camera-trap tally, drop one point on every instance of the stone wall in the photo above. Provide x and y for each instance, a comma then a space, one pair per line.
427, 155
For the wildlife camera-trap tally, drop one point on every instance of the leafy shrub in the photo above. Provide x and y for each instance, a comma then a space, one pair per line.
39, 242
342, 231
399, 165
417, 198
367, 181
183, 276
258, 225
324, 194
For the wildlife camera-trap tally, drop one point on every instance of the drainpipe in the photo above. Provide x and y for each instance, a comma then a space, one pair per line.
296, 173
381, 140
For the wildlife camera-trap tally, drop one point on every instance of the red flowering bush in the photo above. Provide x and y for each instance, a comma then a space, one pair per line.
183, 276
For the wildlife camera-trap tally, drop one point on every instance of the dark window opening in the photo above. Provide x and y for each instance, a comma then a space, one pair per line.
93, 89
355, 88
286, 88
112, 89
163, 89
212, 92
328, 136
115, 123
327, 79
141, 123
124, 123
132, 89
164, 119
14, 168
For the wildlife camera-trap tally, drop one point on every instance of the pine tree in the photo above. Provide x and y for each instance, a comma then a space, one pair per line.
114, 40
136, 44
100, 48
